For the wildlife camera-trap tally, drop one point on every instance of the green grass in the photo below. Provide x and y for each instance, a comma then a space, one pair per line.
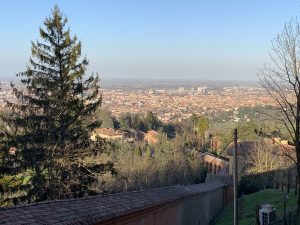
248, 205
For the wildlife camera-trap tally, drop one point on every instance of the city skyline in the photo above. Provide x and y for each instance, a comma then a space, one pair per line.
158, 39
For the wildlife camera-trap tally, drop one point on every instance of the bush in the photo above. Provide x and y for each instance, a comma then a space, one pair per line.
248, 185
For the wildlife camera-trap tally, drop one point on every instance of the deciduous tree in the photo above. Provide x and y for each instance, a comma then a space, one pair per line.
281, 79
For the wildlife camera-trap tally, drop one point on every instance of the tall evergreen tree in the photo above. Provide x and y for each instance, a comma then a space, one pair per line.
105, 118
52, 119
152, 121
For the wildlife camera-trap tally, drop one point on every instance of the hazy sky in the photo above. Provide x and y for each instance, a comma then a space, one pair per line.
154, 39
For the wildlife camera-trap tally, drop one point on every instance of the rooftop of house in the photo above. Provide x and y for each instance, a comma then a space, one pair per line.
151, 137
96, 209
242, 147
214, 159
108, 131
247, 146
152, 132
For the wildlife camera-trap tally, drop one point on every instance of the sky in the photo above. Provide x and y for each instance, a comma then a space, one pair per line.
157, 39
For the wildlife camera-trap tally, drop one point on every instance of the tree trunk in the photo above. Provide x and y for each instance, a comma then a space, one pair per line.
288, 181
265, 180
296, 185
296, 140
298, 200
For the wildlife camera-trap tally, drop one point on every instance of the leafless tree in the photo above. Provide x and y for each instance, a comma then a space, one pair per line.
281, 80
264, 158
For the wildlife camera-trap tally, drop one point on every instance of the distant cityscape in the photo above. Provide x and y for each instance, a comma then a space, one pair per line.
177, 100
172, 101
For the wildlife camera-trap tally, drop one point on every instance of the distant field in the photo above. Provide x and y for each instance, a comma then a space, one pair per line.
249, 203
219, 126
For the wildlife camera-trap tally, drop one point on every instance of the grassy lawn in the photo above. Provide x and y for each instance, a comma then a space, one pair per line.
249, 202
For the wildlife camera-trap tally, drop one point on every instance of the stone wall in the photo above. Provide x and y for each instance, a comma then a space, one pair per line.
196, 210
177, 205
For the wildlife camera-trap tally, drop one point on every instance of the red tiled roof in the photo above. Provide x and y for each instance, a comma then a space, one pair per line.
108, 131
242, 148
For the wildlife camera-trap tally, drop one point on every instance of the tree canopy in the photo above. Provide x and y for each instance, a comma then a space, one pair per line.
51, 122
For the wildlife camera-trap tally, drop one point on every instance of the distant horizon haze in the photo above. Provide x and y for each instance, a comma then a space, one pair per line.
159, 39
165, 83
14, 78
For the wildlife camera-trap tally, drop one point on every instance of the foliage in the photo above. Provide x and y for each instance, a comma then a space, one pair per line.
170, 130
104, 118
248, 185
140, 122
264, 158
246, 131
202, 126
134, 121
140, 166
51, 122
151, 121
13, 188
194, 131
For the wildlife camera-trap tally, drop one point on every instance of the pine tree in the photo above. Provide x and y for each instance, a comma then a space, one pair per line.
52, 119
152, 121
105, 118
